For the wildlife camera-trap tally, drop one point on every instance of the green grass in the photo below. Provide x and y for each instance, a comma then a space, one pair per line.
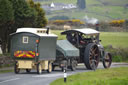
59, 1
114, 76
5, 71
58, 32
116, 39
115, 2
91, 2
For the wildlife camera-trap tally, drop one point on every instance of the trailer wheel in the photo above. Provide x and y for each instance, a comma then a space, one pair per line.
73, 65
53, 67
49, 67
28, 70
39, 69
91, 56
16, 69
107, 60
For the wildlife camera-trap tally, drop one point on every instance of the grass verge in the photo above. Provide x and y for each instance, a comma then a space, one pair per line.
113, 76
5, 71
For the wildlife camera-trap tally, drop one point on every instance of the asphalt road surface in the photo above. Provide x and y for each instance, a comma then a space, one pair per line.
45, 78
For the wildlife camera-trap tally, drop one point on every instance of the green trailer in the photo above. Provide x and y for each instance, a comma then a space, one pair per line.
33, 48
66, 55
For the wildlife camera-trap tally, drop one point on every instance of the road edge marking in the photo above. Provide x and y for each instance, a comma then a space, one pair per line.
9, 80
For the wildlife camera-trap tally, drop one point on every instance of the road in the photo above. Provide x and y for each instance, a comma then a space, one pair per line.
44, 79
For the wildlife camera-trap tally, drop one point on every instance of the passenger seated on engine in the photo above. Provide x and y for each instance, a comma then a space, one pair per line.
81, 39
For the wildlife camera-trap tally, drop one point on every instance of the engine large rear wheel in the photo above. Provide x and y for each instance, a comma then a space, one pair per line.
91, 56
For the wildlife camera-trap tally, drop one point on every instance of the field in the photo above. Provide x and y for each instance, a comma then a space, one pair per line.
113, 76
116, 39
101, 9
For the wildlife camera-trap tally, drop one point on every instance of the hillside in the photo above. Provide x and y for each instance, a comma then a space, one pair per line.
101, 9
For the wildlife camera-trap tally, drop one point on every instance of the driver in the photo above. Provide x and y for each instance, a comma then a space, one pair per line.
69, 37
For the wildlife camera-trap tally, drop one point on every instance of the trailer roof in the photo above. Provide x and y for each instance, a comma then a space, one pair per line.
86, 31
37, 31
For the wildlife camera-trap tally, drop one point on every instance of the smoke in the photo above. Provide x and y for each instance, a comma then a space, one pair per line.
92, 20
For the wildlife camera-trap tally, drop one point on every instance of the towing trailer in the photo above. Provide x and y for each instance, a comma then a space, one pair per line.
33, 48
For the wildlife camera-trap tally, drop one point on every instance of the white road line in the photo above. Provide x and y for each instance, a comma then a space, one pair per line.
9, 80
52, 75
49, 75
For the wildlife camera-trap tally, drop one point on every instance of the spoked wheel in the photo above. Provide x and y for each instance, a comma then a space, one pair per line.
73, 65
39, 69
49, 67
107, 60
16, 69
91, 56
28, 70
53, 67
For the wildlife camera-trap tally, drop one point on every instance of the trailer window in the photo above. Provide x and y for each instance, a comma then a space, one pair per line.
25, 39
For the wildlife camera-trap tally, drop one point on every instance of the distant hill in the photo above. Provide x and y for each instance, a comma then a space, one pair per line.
100, 9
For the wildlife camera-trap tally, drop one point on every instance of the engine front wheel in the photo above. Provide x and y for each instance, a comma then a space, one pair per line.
107, 60
73, 65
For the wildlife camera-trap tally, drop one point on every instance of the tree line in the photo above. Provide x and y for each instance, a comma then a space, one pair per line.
17, 14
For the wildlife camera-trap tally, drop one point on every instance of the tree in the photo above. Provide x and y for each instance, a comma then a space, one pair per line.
16, 14
6, 19
81, 4
24, 15
41, 20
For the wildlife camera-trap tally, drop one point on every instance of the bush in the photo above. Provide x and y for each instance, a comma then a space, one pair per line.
117, 23
117, 58
113, 26
6, 60
118, 54
73, 22
104, 26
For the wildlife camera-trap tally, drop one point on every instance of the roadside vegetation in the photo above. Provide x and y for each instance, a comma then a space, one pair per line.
113, 76
6, 60
5, 71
